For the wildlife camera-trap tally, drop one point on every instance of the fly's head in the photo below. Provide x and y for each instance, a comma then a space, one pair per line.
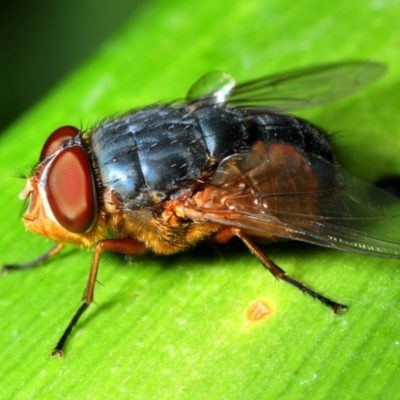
63, 203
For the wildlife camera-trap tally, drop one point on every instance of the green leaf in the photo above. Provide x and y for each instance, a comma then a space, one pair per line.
178, 327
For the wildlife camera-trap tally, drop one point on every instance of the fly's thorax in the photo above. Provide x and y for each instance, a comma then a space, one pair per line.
145, 155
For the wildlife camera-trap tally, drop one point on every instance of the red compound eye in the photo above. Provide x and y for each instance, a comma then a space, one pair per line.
56, 139
70, 190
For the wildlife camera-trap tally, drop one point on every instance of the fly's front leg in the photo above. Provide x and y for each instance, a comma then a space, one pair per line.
34, 263
125, 246
279, 273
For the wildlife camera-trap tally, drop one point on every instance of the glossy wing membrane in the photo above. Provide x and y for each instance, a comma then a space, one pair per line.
293, 90
217, 85
279, 192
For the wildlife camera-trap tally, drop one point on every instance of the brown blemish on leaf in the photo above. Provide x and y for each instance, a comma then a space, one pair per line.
258, 311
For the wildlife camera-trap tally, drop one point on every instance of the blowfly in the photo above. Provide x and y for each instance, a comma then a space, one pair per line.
226, 162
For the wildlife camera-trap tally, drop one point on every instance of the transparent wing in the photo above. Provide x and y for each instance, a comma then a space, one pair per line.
214, 85
293, 90
277, 191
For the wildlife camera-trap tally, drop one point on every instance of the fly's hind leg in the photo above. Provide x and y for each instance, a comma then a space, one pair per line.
279, 273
